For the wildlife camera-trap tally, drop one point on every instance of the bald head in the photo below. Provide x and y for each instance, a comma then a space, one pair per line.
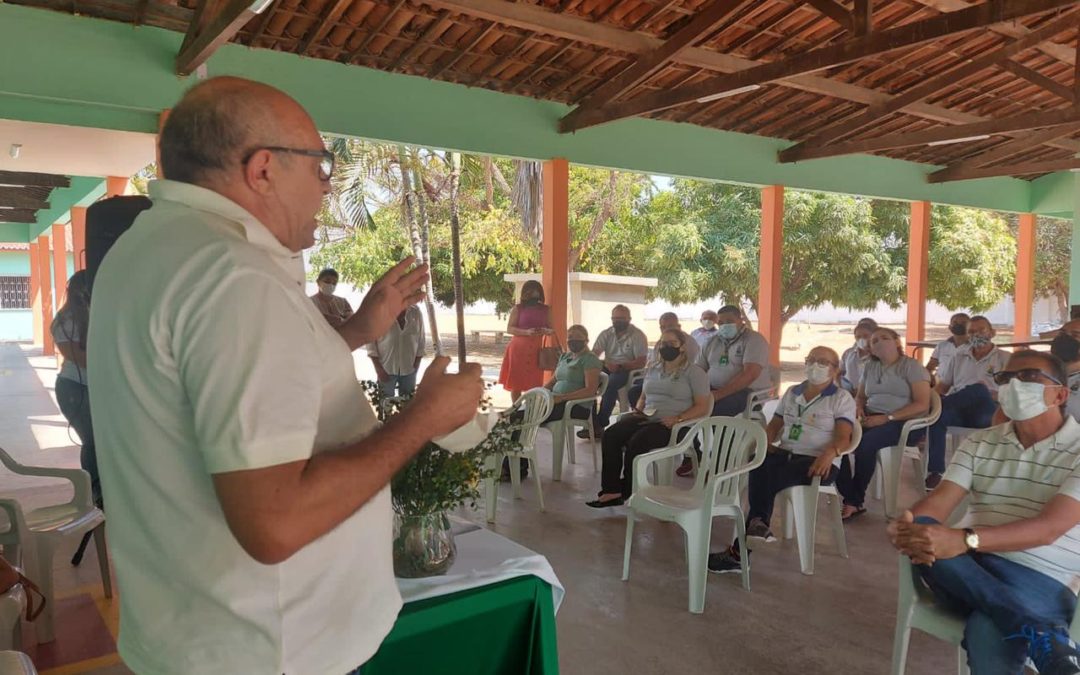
218, 121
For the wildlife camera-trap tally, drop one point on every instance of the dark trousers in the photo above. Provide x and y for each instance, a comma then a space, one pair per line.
853, 488
731, 405
623, 441
972, 407
780, 470
615, 382
998, 597
578, 412
74, 401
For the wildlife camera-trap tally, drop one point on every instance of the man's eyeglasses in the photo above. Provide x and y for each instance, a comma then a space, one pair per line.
326, 158
1003, 377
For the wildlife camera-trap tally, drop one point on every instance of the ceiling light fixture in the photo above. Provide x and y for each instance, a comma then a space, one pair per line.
965, 139
259, 6
730, 92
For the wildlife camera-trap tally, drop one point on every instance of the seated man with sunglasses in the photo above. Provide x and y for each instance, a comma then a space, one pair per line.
1015, 572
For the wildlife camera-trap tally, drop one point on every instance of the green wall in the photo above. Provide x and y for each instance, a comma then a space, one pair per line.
112, 75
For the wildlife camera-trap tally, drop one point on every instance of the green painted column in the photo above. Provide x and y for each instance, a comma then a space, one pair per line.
1074, 260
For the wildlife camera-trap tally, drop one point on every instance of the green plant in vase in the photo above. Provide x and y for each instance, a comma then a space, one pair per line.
432, 483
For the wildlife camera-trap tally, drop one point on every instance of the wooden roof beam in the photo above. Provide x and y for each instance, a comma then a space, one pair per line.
960, 133
1040, 80
863, 16
947, 78
20, 198
835, 12
649, 64
219, 26
882, 42
17, 216
1003, 151
1021, 169
320, 29
21, 179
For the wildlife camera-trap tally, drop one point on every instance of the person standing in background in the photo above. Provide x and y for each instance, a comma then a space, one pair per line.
708, 328
336, 309
529, 322
397, 354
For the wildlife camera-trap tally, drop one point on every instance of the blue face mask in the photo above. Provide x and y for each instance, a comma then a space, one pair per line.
727, 330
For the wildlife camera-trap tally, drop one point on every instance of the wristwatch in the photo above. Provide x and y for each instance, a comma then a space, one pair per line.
971, 539
890, 417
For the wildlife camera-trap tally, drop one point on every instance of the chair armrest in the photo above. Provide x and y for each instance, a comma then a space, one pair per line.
79, 479
683, 425
642, 461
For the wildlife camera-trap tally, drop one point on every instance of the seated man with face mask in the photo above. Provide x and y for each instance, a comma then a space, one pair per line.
968, 391
1013, 572
855, 357
811, 428
737, 361
947, 349
1066, 346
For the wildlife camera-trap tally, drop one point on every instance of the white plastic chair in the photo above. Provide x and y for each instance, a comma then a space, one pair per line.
53, 527
636, 376
755, 403
731, 447
12, 602
917, 608
562, 431
16, 663
800, 517
664, 470
890, 459
536, 404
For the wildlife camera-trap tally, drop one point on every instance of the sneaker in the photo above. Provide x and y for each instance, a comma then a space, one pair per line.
757, 529
584, 433
1051, 650
933, 480
686, 469
726, 562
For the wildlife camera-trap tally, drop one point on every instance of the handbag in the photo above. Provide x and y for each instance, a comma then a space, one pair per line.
548, 357
10, 576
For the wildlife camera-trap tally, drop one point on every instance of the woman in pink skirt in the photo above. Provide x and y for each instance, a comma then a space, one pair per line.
530, 321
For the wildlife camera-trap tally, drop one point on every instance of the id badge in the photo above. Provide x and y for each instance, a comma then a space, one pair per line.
723, 360
795, 432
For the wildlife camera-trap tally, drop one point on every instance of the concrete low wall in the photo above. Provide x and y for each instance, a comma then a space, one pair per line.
16, 325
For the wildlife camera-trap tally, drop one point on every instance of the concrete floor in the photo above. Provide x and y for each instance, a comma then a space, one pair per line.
840, 620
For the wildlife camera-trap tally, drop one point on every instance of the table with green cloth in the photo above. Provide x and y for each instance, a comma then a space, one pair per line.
492, 613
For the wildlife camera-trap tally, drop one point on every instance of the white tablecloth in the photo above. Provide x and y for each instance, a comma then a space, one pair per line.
483, 558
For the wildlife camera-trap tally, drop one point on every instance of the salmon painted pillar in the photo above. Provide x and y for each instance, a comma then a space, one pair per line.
1024, 294
770, 290
115, 186
78, 236
59, 262
46, 306
918, 271
555, 256
157, 143
35, 292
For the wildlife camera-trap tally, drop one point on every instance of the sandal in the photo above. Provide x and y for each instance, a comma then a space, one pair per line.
859, 510
601, 503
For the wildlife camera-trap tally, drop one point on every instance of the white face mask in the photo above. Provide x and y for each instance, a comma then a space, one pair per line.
817, 373
708, 324
1022, 400
861, 343
728, 330
327, 288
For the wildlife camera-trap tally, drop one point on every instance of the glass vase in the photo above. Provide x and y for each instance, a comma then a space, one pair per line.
423, 545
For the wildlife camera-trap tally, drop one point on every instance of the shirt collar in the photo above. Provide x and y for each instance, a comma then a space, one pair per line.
215, 203
827, 391
1067, 435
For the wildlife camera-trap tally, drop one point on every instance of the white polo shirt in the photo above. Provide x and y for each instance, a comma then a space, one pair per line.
1009, 483
207, 357
398, 350
1073, 404
630, 346
724, 359
965, 370
815, 418
944, 352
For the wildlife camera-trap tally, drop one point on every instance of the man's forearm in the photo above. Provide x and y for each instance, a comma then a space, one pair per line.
735, 384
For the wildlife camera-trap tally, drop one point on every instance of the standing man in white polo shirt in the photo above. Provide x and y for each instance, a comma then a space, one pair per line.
811, 428
968, 392
245, 474
1016, 571
397, 354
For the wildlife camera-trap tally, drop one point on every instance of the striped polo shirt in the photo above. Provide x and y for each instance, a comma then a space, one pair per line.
1009, 483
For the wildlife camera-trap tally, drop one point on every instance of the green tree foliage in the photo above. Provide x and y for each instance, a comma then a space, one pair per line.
972, 258
1053, 255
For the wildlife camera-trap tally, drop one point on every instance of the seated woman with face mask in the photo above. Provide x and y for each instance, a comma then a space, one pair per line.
675, 390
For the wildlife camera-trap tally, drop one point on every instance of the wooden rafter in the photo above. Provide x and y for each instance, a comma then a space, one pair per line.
320, 29
22, 178
19, 198
1020, 169
1040, 80
375, 31
220, 27
140, 12
863, 16
434, 29
649, 64
1025, 122
835, 12
882, 42
947, 78
1026, 143
456, 56
17, 215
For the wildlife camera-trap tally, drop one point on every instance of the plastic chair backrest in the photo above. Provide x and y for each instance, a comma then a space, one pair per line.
731, 446
916, 423
536, 403
856, 438
9, 462
16, 535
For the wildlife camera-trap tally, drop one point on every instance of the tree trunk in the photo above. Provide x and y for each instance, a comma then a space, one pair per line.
455, 241
489, 185
416, 238
603, 214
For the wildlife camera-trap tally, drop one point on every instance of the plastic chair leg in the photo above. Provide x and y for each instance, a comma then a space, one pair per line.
44, 627
961, 661
103, 559
539, 489
571, 442
697, 558
901, 639
836, 514
595, 449
515, 476
628, 545
789, 516
558, 444
740, 537
804, 499
491, 488
890, 463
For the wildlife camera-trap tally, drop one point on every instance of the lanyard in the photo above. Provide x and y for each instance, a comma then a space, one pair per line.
809, 405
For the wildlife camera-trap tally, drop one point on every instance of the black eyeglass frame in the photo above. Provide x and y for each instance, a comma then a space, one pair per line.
327, 162
1003, 377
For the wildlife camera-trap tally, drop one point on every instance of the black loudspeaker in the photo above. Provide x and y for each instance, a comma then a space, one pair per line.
105, 222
